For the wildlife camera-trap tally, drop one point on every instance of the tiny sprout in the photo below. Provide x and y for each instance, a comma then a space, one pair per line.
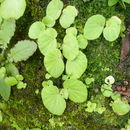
109, 80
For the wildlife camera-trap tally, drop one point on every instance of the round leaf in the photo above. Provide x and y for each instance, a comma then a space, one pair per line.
54, 63
120, 107
68, 16
94, 27
77, 67
22, 50
112, 2
52, 100
48, 21
112, 30
82, 41
47, 40
12, 8
35, 29
76, 89
71, 30
70, 47
54, 9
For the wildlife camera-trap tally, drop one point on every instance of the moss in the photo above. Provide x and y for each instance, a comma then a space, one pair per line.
25, 108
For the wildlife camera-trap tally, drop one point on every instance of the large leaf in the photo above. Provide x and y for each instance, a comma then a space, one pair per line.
112, 30
7, 30
4, 89
12, 8
76, 67
52, 100
112, 2
68, 16
35, 29
94, 27
22, 50
54, 63
70, 47
76, 89
47, 40
54, 9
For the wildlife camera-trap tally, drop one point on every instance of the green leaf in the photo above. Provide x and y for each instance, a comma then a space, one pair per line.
82, 41
76, 89
106, 90
71, 30
12, 8
11, 81
4, 89
35, 29
7, 30
126, 1
52, 100
112, 30
47, 40
94, 27
48, 21
76, 67
120, 107
112, 2
68, 16
54, 63
11, 69
22, 50
54, 9
70, 47
2, 72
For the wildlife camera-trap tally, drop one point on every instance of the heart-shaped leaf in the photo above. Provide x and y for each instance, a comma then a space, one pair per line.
47, 40
35, 29
76, 67
52, 100
76, 89
54, 63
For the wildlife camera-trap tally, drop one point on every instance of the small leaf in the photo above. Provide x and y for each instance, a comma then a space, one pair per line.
112, 30
4, 89
54, 63
35, 29
7, 30
70, 47
76, 67
11, 69
11, 81
22, 50
47, 40
52, 100
94, 27
71, 30
68, 16
112, 2
76, 89
82, 41
54, 9
48, 21
6, 10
